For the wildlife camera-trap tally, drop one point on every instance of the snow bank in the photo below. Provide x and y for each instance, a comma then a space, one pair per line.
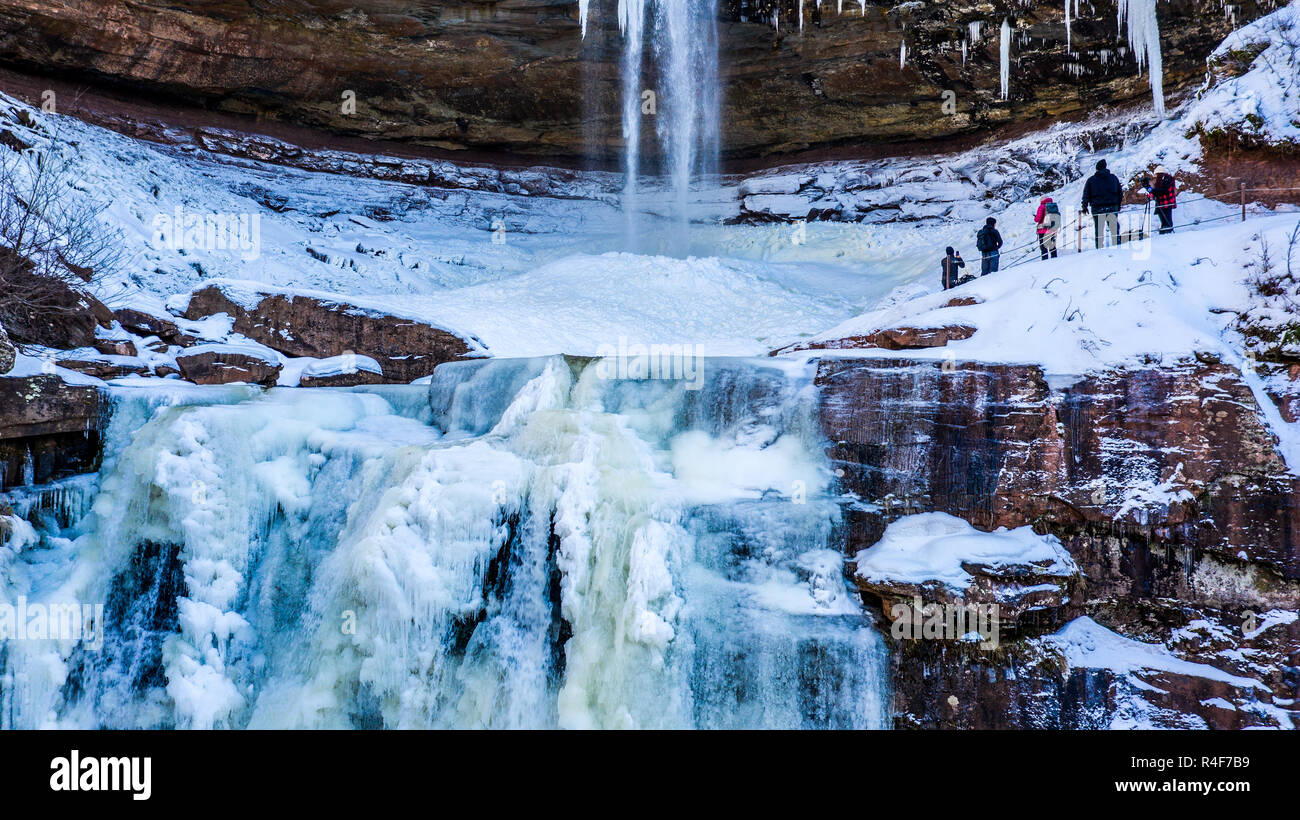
933, 547
1263, 102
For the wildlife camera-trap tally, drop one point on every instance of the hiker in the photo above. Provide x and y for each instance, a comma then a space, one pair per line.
952, 263
1165, 194
1048, 220
1104, 194
987, 242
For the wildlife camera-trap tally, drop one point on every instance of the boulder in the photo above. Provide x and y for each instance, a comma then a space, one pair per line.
223, 364
105, 367
68, 319
144, 324
313, 326
342, 371
116, 347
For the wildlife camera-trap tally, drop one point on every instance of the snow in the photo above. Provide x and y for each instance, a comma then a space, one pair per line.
1263, 102
933, 547
1087, 644
1164, 298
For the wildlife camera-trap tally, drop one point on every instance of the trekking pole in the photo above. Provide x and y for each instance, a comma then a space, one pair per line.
1243, 201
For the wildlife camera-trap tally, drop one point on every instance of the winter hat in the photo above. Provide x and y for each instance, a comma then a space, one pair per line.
1160, 169
990, 221
949, 250
1045, 199
1101, 165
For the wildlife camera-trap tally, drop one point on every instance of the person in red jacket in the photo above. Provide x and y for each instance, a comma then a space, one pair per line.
1165, 194
1048, 220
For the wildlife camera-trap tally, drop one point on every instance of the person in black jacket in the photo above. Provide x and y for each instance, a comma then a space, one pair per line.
1103, 194
952, 263
988, 242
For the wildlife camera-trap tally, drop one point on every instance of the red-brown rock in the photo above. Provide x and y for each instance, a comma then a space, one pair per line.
299, 326
206, 366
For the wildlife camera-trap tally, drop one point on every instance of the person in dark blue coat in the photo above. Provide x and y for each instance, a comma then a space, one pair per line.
989, 243
1103, 194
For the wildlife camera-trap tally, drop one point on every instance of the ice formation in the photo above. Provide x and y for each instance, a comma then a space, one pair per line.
1143, 31
523, 543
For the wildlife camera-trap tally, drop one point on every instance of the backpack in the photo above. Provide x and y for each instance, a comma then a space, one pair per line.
984, 240
1052, 208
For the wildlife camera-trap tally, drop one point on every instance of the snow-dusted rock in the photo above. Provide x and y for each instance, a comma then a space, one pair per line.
341, 371
321, 325
225, 364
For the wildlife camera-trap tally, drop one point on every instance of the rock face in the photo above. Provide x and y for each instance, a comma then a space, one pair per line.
297, 325
517, 76
1164, 485
209, 364
47, 428
68, 318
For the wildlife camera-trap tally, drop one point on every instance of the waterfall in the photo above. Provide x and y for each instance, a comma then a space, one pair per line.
1143, 31
1004, 57
523, 543
681, 39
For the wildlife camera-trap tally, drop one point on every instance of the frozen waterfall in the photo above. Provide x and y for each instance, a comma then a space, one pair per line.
524, 543
1143, 31
669, 77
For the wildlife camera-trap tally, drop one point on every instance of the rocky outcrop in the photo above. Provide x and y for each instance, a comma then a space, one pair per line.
1164, 484
48, 428
145, 324
893, 338
65, 317
298, 325
216, 364
105, 367
518, 77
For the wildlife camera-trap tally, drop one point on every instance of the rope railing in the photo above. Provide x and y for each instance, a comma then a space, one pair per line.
1126, 237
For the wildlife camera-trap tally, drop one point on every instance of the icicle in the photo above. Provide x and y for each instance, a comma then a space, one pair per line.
902, 54
583, 7
1067, 25
1005, 56
863, 5
964, 50
800, 15
1144, 39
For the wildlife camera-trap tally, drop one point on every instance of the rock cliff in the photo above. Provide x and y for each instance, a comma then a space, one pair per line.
516, 77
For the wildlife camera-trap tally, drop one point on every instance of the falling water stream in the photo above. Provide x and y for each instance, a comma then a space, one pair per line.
670, 91
522, 543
